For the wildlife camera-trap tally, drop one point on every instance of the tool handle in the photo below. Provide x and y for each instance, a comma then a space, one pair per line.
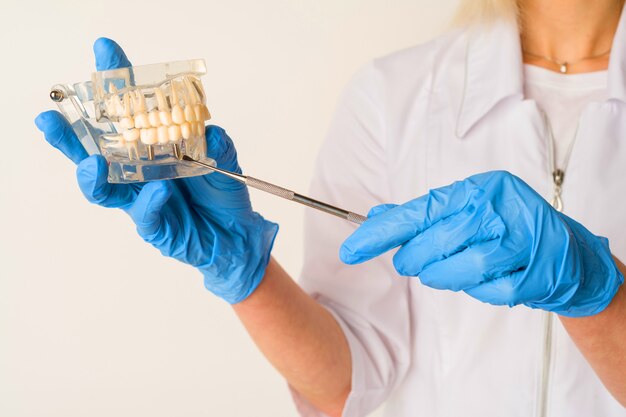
269, 188
355, 218
307, 201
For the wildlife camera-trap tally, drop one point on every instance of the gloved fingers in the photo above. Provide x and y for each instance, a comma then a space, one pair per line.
147, 208
475, 265
92, 176
401, 224
59, 133
500, 291
221, 148
442, 202
448, 237
379, 234
109, 55
216, 191
380, 209
212, 193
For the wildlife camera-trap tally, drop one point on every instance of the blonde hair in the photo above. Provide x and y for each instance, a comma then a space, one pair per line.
485, 11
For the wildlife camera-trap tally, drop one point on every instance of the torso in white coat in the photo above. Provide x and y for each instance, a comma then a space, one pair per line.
420, 119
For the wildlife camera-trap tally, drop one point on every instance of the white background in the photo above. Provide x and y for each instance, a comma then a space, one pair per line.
93, 322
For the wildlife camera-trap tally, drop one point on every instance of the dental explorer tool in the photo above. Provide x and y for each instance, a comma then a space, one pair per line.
283, 192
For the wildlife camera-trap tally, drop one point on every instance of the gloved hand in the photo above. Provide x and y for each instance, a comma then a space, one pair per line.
496, 239
206, 222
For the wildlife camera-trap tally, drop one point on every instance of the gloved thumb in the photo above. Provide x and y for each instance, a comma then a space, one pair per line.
146, 210
221, 148
109, 55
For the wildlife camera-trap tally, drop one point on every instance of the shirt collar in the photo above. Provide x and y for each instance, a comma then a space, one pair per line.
494, 70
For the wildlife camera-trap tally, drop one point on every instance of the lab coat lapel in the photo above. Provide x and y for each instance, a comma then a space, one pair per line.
493, 72
617, 63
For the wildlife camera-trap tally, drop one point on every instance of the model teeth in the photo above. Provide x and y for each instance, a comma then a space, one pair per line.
142, 121
131, 135
174, 133
199, 129
185, 129
127, 122
148, 136
139, 103
178, 116
162, 135
165, 117
161, 100
155, 118
190, 114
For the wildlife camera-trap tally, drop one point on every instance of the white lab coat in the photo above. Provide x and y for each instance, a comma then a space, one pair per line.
423, 118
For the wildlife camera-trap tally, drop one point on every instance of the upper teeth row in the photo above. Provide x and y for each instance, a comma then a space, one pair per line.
163, 123
162, 134
157, 118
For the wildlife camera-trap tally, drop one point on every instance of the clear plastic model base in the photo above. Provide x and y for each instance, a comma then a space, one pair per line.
141, 119
163, 165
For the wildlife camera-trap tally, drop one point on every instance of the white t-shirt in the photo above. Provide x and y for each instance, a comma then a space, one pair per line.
563, 97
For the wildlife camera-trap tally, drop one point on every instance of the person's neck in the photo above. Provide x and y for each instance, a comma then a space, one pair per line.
568, 31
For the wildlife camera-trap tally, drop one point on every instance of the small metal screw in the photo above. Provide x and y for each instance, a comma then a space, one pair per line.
57, 95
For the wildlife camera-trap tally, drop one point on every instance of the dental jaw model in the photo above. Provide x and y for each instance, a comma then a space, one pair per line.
141, 119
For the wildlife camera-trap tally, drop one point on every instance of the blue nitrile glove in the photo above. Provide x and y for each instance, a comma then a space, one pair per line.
206, 221
495, 238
